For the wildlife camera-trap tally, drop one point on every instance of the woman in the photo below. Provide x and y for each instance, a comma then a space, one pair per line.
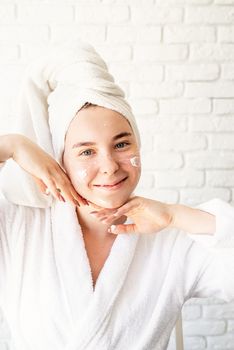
70, 277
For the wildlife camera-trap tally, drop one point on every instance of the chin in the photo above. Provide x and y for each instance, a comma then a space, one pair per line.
109, 203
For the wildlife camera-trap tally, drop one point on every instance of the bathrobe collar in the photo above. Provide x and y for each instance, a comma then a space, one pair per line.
87, 307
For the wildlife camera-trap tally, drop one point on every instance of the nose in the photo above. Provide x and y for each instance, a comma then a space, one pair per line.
108, 165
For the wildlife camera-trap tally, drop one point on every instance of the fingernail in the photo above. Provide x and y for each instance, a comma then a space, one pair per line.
112, 229
76, 202
61, 198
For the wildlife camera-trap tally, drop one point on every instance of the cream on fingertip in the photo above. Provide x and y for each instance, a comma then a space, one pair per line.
112, 229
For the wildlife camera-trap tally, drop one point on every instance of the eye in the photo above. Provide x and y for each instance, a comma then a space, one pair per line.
87, 152
122, 144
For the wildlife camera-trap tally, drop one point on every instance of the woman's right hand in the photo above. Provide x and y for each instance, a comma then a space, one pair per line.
45, 171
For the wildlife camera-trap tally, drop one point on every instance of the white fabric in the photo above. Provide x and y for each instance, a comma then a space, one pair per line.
46, 286
55, 87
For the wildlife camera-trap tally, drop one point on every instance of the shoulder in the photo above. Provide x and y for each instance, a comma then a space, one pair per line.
167, 243
11, 213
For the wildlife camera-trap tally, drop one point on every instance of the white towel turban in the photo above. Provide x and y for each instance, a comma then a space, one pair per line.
55, 87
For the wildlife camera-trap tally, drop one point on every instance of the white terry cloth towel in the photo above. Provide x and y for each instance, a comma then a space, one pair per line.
55, 87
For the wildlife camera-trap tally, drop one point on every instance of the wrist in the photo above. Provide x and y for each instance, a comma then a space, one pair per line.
172, 212
15, 143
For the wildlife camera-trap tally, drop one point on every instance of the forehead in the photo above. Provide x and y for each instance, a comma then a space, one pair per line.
97, 122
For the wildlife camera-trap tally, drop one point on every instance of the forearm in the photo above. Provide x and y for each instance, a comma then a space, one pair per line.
7, 145
192, 220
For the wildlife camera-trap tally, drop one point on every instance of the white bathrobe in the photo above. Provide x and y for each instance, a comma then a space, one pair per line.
46, 288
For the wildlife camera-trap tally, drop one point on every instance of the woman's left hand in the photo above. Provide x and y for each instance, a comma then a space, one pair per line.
148, 216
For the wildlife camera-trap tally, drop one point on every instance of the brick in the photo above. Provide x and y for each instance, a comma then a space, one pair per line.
211, 123
45, 13
7, 13
162, 160
154, 125
8, 53
227, 71
210, 160
133, 34
191, 312
152, 53
91, 33
220, 178
156, 90
147, 143
184, 2
24, 33
29, 52
11, 74
155, 14
114, 53
187, 34
130, 2
194, 343
166, 196
4, 346
204, 327
192, 72
215, 89
173, 123
213, 52
180, 142
230, 327
179, 178
224, 2
210, 14
185, 106
147, 126
222, 342
218, 311
135, 72
144, 106
222, 142
223, 106
101, 13
226, 34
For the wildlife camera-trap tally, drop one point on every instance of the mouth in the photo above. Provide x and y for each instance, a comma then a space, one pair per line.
113, 186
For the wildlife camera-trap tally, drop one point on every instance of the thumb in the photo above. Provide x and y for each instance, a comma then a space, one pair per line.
118, 229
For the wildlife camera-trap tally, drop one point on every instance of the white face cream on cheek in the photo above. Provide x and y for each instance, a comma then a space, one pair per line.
82, 174
133, 160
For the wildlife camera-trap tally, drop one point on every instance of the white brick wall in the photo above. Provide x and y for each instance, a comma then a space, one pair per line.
175, 61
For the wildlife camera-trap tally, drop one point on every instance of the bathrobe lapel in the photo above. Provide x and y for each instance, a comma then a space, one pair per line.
88, 308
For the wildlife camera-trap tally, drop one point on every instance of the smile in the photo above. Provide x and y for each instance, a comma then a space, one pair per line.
112, 187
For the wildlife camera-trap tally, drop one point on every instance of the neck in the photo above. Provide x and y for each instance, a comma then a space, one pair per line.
91, 225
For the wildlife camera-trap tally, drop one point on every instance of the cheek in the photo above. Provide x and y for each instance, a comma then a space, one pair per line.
132, 165
82, 175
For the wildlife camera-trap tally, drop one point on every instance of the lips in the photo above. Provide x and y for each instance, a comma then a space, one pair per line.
111, 185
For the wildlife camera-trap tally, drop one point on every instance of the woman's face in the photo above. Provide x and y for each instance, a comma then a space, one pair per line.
101, 156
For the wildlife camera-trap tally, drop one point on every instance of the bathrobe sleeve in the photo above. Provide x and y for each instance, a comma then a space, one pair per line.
209, 262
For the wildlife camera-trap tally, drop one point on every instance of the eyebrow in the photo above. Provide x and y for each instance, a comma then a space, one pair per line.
88, 143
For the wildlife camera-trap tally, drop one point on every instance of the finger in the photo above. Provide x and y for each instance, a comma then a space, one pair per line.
40, 184
53, 189
124, 209
64, 187
68, 191
100, 214
119, 229
77, 196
